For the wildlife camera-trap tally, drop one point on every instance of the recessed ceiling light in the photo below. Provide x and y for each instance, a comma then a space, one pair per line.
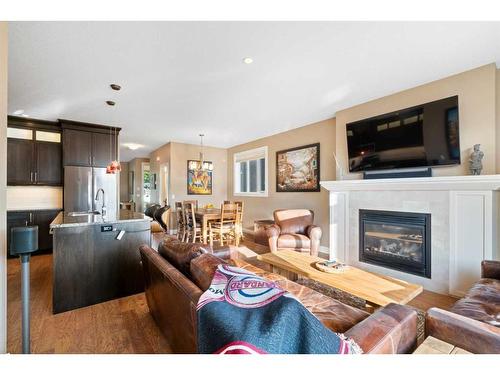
132, 146
18, 112
248, 60
115, 87
110, 102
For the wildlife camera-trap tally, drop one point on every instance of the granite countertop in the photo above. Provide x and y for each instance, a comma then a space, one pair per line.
64, 220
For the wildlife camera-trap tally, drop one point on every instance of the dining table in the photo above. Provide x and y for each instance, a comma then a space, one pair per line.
203, 216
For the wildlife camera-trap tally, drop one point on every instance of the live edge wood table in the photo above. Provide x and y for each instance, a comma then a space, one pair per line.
376, 290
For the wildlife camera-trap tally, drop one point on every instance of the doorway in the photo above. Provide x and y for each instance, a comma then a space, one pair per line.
164, 184
146, 186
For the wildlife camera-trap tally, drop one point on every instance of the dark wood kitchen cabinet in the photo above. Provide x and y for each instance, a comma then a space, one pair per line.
88, 145
103, 149
42, 218
34, 152
48, 158
20, 161
77, 145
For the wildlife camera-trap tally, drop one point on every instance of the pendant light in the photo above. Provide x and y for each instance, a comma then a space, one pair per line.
201, 165
114, 166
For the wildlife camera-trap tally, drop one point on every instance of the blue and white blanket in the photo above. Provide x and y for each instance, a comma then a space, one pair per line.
243, 313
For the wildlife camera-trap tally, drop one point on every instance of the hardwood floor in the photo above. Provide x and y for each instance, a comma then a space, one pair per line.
120, 326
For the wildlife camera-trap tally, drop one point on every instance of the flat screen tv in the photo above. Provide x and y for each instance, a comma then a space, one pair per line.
426, 135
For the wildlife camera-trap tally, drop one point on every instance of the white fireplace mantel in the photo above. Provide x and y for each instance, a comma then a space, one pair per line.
464, 214
457, 183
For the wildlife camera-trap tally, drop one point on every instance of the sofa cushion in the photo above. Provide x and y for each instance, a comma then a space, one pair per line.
294, 241
203, 268
335, 315
486, 290
478, 310
180, 254
482, 302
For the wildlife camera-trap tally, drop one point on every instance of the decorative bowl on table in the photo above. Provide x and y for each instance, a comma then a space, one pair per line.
331, 266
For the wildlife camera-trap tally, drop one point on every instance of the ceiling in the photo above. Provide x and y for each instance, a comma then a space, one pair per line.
184, 78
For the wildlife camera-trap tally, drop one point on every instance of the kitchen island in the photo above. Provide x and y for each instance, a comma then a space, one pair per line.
96, 259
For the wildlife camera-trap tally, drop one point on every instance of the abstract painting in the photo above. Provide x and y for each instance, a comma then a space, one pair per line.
199, 182
297, 169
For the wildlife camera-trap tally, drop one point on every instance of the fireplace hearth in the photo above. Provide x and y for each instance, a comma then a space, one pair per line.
397, 240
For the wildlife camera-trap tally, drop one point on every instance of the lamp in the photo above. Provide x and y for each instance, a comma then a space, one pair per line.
201, 164
114, 166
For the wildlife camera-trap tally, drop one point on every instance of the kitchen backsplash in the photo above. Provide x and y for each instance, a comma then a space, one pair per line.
34, 197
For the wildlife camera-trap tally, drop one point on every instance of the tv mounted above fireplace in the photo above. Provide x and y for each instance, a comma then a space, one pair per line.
426, 135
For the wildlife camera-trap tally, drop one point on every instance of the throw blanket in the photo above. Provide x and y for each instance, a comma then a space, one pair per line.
243, 313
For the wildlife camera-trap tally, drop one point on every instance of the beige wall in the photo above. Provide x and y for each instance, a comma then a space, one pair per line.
262, 207
135, 165
3, 186
124, 193
476, 96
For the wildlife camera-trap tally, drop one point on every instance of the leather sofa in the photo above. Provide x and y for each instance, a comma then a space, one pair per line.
473, 323
295, 230
178, 274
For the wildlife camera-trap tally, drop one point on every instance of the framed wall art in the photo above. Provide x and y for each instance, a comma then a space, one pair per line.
199, 181
298, 169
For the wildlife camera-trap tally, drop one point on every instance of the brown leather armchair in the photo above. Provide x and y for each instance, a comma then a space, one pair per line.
294, 229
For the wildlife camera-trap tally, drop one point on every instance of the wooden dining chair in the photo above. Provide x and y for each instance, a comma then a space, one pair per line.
193, 201
181, 227
193, 228
225, 228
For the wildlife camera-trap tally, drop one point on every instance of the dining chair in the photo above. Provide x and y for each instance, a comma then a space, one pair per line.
225, 227
193, 201
193, 228
181, 227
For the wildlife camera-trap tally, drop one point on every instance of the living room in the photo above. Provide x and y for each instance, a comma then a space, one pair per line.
182, 187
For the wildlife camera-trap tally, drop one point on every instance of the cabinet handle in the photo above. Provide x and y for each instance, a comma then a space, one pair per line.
36, 177
31, 176
25, 223
31, 217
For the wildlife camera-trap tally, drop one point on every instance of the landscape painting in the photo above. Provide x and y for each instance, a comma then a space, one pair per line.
297, 169
199, 182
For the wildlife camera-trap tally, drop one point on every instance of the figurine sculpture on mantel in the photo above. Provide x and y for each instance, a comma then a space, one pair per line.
476, 160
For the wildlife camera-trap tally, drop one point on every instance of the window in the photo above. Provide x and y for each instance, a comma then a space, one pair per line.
250, 172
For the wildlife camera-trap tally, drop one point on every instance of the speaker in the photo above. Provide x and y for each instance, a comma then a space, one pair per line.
398, 173
23, 240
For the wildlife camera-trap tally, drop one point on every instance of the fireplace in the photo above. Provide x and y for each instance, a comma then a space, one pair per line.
397, 240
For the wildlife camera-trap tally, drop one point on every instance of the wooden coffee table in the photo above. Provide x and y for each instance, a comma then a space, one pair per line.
375, 289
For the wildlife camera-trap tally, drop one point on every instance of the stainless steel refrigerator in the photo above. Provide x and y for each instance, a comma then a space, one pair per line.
81, 185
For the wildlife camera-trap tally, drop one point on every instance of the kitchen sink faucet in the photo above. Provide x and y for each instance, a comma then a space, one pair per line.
103, 210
